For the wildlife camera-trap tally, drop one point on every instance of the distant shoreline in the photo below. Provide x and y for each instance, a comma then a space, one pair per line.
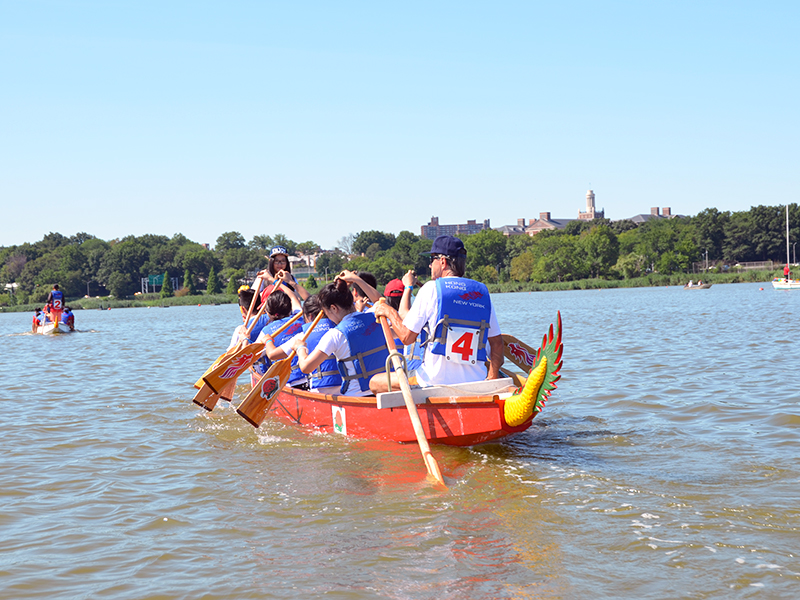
654, 280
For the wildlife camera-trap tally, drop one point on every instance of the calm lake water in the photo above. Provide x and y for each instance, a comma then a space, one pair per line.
664, 466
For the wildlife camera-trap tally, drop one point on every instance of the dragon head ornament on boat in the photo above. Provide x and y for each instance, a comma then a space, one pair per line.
540, 383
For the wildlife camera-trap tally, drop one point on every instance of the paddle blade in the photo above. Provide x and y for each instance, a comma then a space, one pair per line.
206, 398
230, 369
255, 407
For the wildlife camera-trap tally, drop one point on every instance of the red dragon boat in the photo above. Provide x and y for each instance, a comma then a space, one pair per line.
455, 415
461, 416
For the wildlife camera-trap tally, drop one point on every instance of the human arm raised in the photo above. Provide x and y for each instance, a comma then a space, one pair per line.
352, 278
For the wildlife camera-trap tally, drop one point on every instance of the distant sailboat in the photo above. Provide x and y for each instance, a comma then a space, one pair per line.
785, 283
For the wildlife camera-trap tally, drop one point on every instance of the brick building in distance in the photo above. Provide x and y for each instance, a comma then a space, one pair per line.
432, 230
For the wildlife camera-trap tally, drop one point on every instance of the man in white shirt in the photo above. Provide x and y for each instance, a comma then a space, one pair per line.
461, 318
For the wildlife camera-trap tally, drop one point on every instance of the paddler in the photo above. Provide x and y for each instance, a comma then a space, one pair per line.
460, 314
787, 272
398, 295
68, 319
55, 303
281, 306
37, 320
279, 264
356, 342
362, 285
325, 379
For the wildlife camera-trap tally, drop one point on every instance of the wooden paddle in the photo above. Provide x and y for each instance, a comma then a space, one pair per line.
230, 354
255, 407
225, 356
207, 399
519, 353
424, 448
241, 360
253, 301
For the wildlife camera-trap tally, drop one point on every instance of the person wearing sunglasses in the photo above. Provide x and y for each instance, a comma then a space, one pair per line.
459, 312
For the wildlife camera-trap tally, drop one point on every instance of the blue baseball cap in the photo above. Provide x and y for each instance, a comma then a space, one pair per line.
447, 245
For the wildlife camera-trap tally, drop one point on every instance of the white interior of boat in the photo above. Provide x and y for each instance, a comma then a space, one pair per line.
487, 387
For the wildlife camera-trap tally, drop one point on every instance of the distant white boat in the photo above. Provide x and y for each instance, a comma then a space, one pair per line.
781, 283
785, 283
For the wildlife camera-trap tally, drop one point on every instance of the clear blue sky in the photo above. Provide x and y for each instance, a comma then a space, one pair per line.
319, 119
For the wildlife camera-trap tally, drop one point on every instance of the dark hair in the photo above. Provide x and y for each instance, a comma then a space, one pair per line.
394, 301
368, 278
336, 293
311, 308
279, 305
271, 266
55, 287
246, 298
457, 264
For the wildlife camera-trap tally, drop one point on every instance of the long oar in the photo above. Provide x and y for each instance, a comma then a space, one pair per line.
424, 448
253, 301
255, 407
241, 360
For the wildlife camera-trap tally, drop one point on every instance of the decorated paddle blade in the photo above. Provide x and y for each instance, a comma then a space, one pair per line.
255, 407
541, 381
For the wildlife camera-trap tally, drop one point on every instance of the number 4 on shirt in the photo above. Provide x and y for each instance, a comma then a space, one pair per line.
462, 345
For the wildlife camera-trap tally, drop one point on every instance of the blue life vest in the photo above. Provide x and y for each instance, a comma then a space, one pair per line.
58, 299
368, 351
464, 303
65, 317
415, 353
327, 374
262, 322
261, 366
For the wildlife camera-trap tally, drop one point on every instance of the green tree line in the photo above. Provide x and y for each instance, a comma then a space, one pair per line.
83, 264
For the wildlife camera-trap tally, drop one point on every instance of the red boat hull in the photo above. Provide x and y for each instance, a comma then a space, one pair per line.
455, 421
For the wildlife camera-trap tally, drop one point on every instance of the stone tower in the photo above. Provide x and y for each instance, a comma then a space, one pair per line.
591, 212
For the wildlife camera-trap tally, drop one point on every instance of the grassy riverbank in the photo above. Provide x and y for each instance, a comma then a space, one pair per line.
653, 280
137, 302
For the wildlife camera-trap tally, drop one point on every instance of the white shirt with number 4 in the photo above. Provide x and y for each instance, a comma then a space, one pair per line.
436, 369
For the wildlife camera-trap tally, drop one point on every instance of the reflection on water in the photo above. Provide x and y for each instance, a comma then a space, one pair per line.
663, 466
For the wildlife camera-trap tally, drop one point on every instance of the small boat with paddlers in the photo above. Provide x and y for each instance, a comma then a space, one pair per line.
697, 286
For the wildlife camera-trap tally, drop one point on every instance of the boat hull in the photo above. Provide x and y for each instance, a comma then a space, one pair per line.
704, 286
454, 421
50, 329
786, 284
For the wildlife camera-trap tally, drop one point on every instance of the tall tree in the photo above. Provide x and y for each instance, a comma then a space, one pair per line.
228, 241
366, 238
166, 287
213, 285
486, 248
188, 283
